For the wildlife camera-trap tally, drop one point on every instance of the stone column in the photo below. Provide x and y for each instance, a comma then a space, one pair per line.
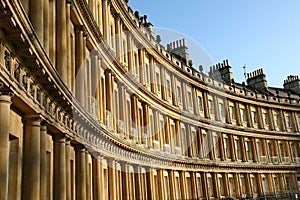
79, 65
37, 17
5, 102
43, 160
249, 118
129, 52
221, 142
60, 190
255, 153
172, 184
134, 115
248, 184
216, 108
243, 149
88, 180
149, 182
112, 179
204, 185
238, 187
232, 148
161, 185
69, 41
206, 107
105, 13
152, 75
31, 155
125, 181
259, 118
94, 90
174, 90
96, 178
194, 185
147, 124
109, 96
184, 95
68, 169
216, 187
122, 107
271, 119
227, 113
138, 183
238, 113
226, 185
195, 101
46, 25
118, 37
61, 38
183, 185
80, 173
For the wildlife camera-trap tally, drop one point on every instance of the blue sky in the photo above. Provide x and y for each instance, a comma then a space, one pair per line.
255, 33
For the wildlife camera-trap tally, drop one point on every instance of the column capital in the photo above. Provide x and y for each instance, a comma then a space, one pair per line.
60, 138
33, 119
5, 91
79, 28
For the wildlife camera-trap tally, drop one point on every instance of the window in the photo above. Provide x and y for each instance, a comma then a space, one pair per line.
254, 117
231, 112
221, 110
282, 150
288, 121
254, 185
205, 145
276, 120
199, 188
264, 183
179, 94
248, 150
200, 103
210, 106
259, 148
270, 146
210, 187
243, 116
294, 152
243, 184
231, 186
226, 148
168, 88
265, 119
288, 183
190, 101
237, 149
216, 146
147, 73
157, 82
220, 183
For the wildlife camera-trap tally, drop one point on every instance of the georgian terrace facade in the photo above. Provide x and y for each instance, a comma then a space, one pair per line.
128, 119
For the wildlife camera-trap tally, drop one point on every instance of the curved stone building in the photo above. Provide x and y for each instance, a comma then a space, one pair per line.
84, 116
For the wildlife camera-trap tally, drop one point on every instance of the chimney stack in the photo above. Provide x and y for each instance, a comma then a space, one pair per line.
258, 80
292, 83
180, 49
222, 72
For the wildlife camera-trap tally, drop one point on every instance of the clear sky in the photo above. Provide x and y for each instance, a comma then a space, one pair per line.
255, 33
